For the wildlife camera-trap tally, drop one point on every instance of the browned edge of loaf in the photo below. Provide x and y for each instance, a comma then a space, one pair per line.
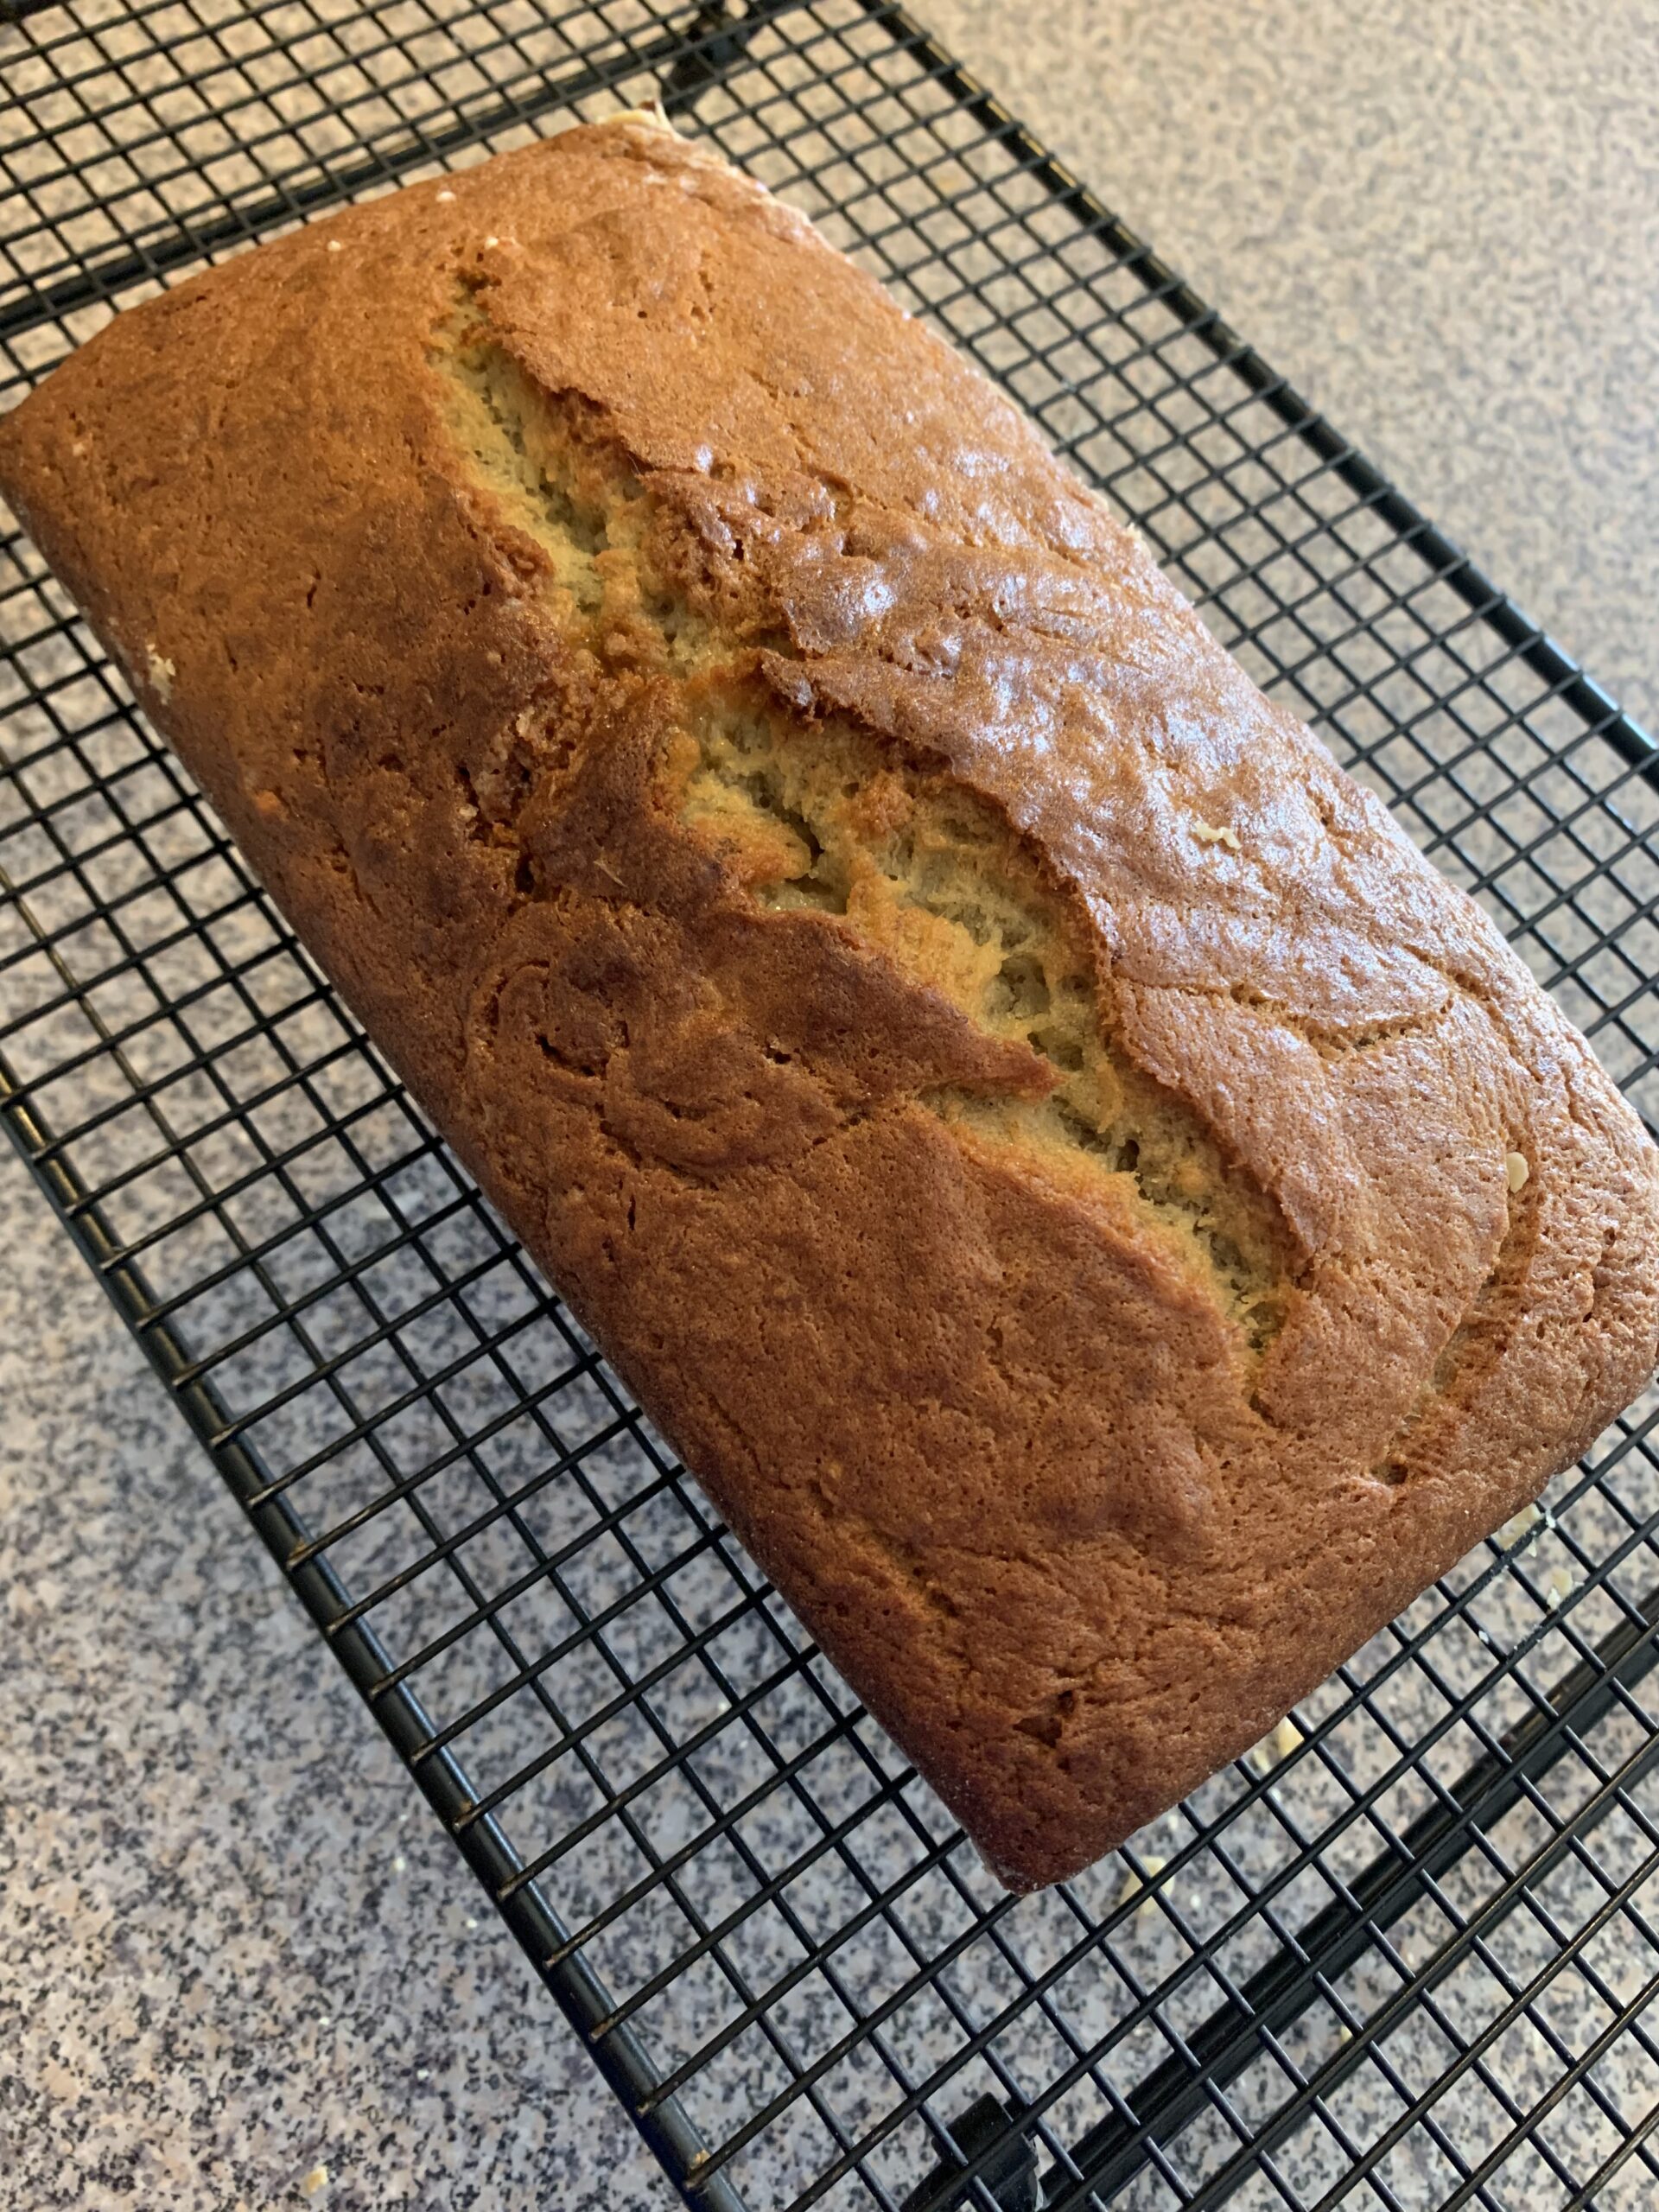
662, 683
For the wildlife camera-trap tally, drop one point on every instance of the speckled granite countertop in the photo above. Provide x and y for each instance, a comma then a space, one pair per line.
1442, 224
234, 1949
234, 1945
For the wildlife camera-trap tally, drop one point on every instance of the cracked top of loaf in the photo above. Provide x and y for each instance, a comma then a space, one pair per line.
1104, 1220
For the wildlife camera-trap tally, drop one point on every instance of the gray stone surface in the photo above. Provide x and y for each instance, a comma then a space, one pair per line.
233, 1947
1442, 224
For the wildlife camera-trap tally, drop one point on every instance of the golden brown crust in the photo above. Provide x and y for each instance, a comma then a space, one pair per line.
1074, 1538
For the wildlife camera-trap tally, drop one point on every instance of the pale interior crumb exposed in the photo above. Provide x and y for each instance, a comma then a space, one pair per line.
914, 865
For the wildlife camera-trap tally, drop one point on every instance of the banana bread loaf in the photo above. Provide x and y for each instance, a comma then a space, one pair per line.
1104, 1218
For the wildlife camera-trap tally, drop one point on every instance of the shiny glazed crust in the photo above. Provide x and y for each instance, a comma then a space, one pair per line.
650, 671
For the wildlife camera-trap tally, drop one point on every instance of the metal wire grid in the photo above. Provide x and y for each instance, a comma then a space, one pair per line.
1403, 1956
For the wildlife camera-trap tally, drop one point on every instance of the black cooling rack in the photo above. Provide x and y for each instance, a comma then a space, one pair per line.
1402, 1956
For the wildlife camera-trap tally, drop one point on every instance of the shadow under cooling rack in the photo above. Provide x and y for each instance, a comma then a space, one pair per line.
1403, 1955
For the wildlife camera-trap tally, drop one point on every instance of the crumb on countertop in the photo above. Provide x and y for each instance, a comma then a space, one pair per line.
1152, 1865
1519, 1525
1277, 1744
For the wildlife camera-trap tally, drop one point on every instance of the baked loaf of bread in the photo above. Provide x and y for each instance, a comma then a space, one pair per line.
1106, 1222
